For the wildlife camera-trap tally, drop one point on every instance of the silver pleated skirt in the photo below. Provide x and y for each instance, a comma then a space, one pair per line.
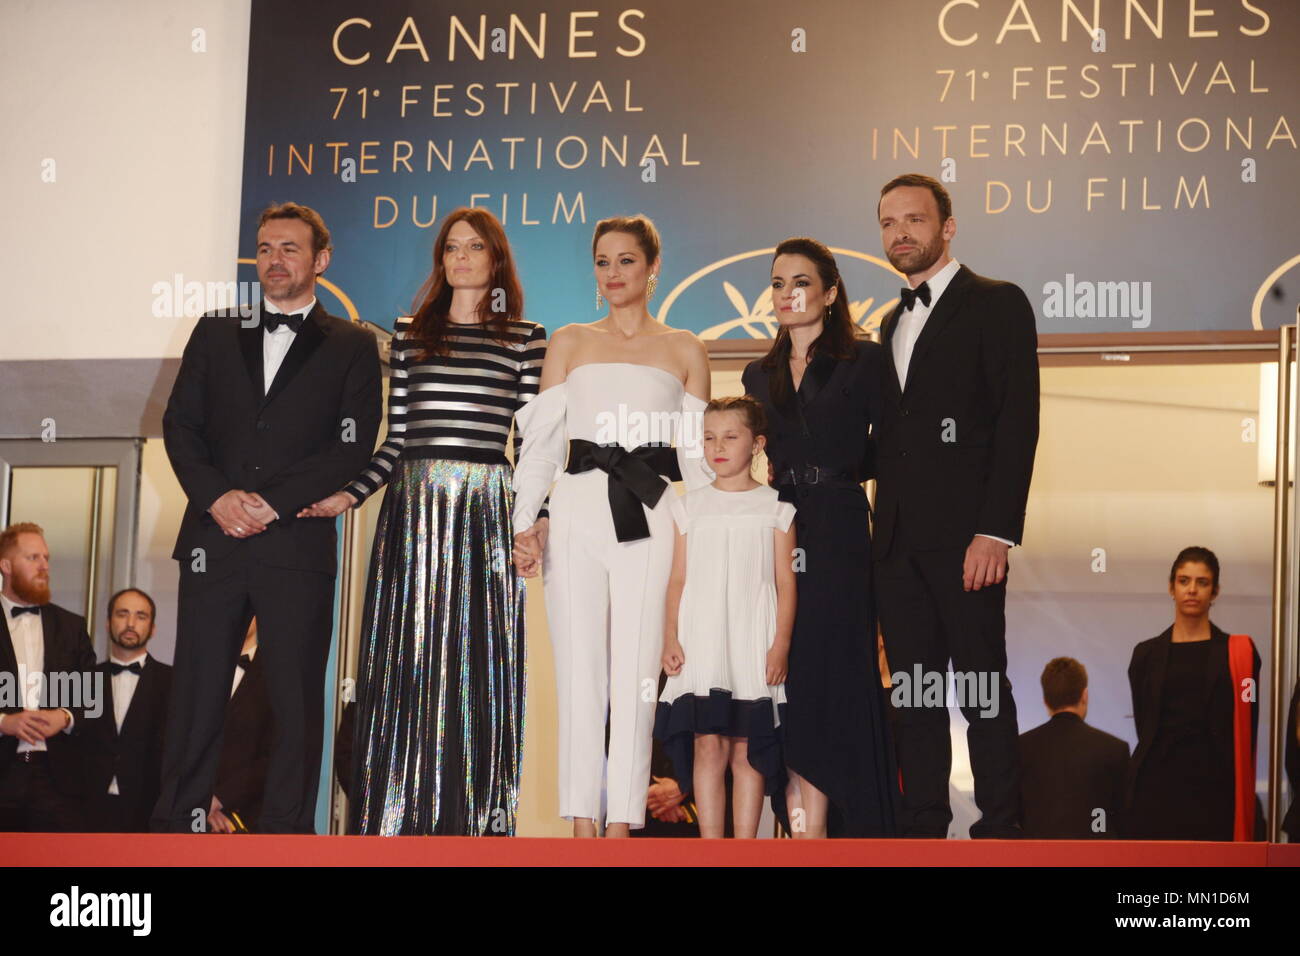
440, 688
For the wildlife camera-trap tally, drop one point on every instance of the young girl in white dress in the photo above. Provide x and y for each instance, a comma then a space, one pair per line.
727, 625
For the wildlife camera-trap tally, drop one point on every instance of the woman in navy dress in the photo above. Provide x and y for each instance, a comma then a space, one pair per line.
820, 386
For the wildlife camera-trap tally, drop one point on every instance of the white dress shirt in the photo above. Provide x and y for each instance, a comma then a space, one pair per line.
239, 671
912, 321
908, 330
124, 685
28, 637
275, 345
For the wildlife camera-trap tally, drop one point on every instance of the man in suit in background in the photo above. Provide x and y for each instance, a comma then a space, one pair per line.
1068, 770
955, 452
123, 744
270, 413
47, 691
245, 747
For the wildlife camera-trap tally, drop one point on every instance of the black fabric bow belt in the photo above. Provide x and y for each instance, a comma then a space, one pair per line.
634, 479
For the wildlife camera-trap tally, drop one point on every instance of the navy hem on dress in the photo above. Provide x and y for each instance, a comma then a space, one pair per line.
676, 725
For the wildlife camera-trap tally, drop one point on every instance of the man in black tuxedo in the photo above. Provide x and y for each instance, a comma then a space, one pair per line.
245, 745
269, 413
955, 449
124, 743
48, 689
1071, 775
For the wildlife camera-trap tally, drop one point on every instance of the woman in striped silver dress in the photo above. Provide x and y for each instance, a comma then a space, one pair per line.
440, 690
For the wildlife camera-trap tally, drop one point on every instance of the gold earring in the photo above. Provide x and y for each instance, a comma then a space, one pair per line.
650, 286
599, 300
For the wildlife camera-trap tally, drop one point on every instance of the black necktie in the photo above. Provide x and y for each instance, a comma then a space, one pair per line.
909, 296
271, 322
244, 661
29, 609
135, 667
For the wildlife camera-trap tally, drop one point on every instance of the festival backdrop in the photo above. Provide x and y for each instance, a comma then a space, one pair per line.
1130, 163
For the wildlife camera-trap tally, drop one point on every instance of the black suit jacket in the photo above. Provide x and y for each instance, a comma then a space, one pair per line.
1146, 675
133, 754
306, 438
246, 746
1068, 770
976, 364
68, 652
1291, 822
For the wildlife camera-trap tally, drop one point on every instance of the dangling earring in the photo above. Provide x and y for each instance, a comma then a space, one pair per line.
599, 301
650, 286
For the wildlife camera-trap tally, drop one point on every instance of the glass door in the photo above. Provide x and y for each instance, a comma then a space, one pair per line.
85, 494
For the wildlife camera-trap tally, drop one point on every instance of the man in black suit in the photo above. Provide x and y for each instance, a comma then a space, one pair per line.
956, 451
48, 689
270, 413
1071, 775
245, 746
123, 745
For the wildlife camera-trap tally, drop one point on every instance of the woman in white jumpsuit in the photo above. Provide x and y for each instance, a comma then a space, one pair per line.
614, 394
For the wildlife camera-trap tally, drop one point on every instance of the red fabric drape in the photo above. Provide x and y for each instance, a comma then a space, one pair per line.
1241, 664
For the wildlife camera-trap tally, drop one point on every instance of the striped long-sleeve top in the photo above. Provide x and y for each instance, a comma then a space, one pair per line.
457, 406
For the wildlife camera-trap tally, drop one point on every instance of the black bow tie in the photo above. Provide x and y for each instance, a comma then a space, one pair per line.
271, 321
244, 661
135, 667
909, 296
29, 609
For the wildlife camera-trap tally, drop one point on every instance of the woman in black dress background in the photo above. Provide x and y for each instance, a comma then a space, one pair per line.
820, 386
1181, 779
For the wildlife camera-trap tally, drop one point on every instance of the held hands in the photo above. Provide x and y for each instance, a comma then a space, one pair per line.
985, 564
529, 545
242, 514
330, 507
664, 800
778, 657
33, 726
218, 822
674, 657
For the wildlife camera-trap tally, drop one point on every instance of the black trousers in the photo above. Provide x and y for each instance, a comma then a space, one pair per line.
928, 619
107, 813
31, 803
294, 623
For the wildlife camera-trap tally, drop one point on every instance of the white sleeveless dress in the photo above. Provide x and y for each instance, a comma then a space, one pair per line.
726, 625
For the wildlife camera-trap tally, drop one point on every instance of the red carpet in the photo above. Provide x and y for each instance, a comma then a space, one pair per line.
95, 849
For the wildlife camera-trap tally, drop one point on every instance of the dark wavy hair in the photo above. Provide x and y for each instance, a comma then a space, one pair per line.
430, 318
838, 332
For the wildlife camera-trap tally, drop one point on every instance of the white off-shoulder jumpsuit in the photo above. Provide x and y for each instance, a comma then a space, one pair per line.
604, 598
